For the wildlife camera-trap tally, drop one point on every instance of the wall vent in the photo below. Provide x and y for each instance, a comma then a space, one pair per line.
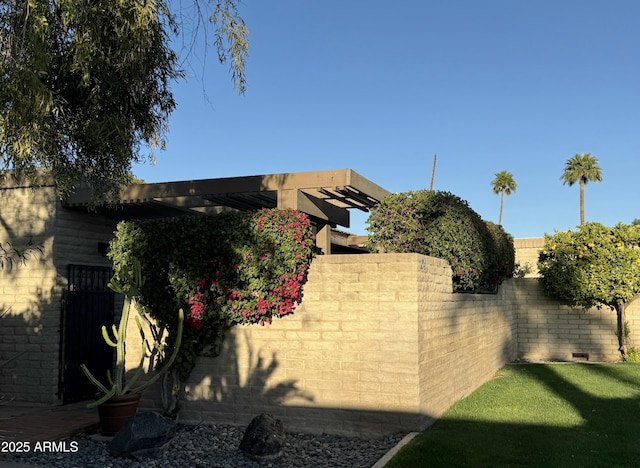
580, 356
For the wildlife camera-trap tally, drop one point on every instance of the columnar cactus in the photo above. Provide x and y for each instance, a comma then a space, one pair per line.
130, 287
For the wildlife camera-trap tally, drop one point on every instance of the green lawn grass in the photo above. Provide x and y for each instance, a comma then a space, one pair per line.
542, 415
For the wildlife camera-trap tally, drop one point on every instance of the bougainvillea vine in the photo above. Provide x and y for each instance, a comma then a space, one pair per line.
225, 270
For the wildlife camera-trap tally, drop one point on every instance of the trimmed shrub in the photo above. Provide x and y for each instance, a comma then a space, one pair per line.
504, 258
440, 224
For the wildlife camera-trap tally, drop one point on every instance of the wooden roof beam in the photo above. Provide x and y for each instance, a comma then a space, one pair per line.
320, 209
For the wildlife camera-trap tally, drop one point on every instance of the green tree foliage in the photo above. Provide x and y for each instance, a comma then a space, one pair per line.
85, 86
223, 270
503, 184
504, 257
442, 225
231, 39
594, 266
581, 168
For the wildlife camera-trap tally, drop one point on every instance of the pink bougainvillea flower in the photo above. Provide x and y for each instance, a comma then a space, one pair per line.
248, 292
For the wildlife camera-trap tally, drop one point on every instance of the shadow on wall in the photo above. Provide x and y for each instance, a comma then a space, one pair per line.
29, 339
341, 366
29, 295
548, 330
242, 376
244, 382
274, 179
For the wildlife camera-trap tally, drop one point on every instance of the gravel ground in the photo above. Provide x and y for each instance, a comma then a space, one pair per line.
217, 446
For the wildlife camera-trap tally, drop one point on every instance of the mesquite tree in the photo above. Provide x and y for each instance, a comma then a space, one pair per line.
594, 266
85, 86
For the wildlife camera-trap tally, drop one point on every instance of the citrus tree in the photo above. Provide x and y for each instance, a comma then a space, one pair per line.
594, 266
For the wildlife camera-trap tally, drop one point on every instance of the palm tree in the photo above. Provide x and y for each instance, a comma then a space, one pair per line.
581, 168
503, 184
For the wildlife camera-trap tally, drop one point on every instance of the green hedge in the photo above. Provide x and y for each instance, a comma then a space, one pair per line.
222, 270
442, 225
503, 264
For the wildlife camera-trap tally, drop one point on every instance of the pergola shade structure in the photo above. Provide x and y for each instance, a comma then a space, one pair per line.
326, 196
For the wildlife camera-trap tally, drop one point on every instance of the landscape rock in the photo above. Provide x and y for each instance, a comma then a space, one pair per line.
146, 435
264, 438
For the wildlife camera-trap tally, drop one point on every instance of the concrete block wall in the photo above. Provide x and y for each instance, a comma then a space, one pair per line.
378, 345
28, 293
464, 340
32, 293
381, 344
633, 319
345, 362
527, 250
549, 330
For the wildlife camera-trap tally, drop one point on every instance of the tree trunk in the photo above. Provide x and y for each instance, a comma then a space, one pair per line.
581, 202
501, 205
623, 339
433, 173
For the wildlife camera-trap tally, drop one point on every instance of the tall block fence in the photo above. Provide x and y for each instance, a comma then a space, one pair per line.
380, 344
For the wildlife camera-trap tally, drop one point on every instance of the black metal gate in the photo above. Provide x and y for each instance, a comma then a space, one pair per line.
88, 305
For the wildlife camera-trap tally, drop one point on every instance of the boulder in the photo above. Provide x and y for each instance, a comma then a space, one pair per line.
145, 435
263, 439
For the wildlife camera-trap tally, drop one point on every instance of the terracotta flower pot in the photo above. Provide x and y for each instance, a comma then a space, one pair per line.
115, 412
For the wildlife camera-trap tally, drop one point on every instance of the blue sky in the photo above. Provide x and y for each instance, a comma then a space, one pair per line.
379, 87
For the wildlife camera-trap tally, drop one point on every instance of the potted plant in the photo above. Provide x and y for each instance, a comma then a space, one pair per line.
118, 401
